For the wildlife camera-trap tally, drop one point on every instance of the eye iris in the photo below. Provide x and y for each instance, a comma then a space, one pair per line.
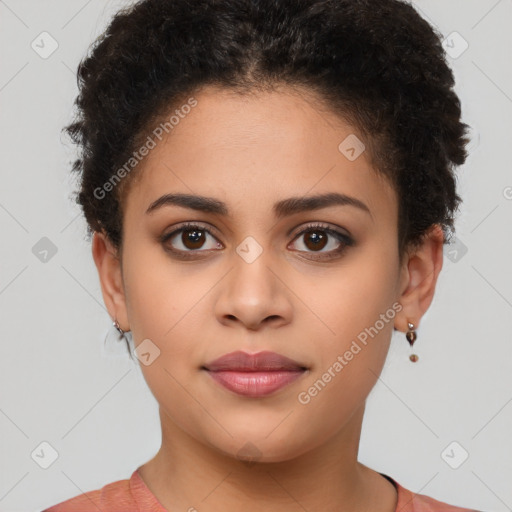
319, 241
193, 236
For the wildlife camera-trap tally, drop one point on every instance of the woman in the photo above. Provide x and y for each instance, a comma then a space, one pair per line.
268, 186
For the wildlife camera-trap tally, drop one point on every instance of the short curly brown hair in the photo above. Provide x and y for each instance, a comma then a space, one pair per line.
376, 63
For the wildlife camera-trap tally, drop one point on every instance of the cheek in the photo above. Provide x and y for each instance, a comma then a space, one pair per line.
164, 303
353, 297
158, 293
354, 318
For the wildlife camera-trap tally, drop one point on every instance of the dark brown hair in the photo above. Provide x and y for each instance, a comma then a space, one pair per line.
377, 63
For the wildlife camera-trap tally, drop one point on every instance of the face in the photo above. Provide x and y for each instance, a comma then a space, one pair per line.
319, 286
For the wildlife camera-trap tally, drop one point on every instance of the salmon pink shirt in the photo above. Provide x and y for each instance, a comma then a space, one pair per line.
134, 496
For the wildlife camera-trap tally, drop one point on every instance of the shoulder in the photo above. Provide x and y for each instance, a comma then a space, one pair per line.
113, 497
412, 502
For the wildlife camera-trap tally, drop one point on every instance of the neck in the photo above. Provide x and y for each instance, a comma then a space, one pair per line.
188, 475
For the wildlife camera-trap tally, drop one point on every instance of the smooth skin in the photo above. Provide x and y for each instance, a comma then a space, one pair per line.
251, 152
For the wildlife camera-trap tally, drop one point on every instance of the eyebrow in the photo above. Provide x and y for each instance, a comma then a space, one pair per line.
281, 209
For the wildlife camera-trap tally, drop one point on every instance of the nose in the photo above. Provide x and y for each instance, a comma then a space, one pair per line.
254, 296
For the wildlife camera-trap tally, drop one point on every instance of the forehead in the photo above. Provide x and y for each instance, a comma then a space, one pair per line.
253, 150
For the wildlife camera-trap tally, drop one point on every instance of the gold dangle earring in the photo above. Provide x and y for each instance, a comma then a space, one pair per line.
411, 338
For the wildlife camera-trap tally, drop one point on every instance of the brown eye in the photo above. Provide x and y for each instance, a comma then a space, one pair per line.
315, 238
190, 238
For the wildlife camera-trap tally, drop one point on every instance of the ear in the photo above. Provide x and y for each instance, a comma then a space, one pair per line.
108, 263
419, 277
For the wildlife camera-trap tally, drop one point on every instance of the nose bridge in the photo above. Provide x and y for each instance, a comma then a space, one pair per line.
252, 269
253, 292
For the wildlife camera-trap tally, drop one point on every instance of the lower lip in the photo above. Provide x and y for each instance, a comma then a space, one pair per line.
255, 384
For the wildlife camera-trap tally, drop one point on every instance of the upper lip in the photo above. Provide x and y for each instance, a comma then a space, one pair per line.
261, 361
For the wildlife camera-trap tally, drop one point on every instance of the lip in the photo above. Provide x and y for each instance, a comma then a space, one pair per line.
254, 375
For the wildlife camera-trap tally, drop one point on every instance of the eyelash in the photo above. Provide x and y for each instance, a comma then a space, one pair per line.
341, 237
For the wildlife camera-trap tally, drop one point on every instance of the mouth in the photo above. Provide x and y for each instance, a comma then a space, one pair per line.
254, 375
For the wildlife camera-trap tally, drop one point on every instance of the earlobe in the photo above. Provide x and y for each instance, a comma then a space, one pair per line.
108, 265
422, 268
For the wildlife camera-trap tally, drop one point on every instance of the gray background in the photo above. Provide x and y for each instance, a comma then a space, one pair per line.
60, 386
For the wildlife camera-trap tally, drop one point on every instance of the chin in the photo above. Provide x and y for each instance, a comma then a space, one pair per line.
255, 449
